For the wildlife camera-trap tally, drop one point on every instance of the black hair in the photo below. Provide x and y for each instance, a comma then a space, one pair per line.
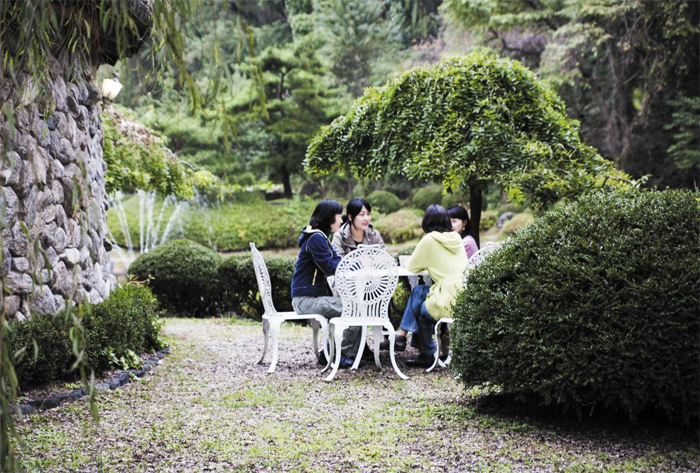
354, 208
436, 219
457, 211
324, 215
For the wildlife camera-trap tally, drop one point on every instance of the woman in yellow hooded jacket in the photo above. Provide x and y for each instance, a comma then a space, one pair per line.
441, 252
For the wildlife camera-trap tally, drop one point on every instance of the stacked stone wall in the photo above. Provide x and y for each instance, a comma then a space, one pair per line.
52, 198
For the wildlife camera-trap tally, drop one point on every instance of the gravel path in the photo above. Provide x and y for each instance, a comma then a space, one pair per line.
209, 407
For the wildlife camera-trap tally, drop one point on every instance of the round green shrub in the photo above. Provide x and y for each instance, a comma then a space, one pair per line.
594, 304
183, 275
128, 320
384, 202
54, 352
448, 200
240, 292
399, 226
428, 195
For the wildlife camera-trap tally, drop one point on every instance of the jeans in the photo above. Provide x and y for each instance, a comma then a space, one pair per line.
330, 307
418, 321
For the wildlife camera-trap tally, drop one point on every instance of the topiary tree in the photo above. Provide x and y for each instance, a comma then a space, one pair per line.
594, 304
465, 122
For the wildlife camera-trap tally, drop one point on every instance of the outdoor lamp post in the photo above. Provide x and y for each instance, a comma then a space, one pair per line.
111, 87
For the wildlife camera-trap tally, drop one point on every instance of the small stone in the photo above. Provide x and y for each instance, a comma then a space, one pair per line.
71, 257
20, 316
19, 283
49, 214
44, 302
11, 304
20, 265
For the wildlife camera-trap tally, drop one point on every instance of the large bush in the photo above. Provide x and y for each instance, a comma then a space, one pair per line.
239, 285
183, 275
399, 226
594, 304
125, 323
384, 202
428, 195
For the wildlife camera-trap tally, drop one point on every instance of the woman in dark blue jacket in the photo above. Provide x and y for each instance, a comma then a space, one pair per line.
318, 260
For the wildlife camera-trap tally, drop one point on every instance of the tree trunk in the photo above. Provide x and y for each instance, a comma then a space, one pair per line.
285, 182
475, 201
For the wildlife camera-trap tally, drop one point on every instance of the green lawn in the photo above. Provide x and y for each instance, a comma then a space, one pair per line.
209, 407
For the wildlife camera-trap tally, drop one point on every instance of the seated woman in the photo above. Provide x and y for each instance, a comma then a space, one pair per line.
441, 253
357, 230
460, 224
315, 262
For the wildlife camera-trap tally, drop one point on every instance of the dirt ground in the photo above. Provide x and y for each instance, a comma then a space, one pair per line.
210, 407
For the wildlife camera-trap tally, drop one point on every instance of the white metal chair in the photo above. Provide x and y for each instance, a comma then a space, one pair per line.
365, 279
476, 259
272, 319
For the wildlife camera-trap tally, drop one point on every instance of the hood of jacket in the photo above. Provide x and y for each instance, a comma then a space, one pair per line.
450, 240
306, 233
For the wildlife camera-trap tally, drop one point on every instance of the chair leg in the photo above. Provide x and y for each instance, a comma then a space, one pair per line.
377, 336
315, 326
275, 335
392, 339
324, 336
363, 340
266, 331
335, 348
437, 347
330, 350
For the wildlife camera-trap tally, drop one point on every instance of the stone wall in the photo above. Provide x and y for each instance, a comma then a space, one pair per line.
52, 199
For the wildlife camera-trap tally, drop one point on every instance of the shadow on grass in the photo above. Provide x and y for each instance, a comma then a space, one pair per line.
503, 411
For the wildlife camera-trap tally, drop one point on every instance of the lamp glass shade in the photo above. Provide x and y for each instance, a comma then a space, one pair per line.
111, 88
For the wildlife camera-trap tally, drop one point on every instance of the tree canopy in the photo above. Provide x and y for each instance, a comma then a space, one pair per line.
626, 68
466, 122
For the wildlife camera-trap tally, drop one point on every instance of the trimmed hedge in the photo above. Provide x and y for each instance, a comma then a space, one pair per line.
183, 275
127, 321
384, 202
428, 195
594, 304
400, 226
239, 286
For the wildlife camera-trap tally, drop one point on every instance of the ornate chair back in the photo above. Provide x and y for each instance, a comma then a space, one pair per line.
264, 283
366, 279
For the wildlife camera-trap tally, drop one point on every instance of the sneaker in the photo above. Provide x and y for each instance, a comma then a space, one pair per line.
399, 344
345, 363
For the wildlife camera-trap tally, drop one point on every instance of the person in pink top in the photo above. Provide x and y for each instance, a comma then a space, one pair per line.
460, 224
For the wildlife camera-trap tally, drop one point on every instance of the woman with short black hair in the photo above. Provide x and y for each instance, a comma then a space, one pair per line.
316, 261
442, 254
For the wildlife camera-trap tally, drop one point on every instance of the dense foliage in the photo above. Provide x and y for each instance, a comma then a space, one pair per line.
426, 196
239, 286
466, 121
384, 202
183, 275
596, 304
123, 326
400, 226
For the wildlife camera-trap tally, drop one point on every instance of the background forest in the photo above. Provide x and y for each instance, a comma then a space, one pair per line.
270, 73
